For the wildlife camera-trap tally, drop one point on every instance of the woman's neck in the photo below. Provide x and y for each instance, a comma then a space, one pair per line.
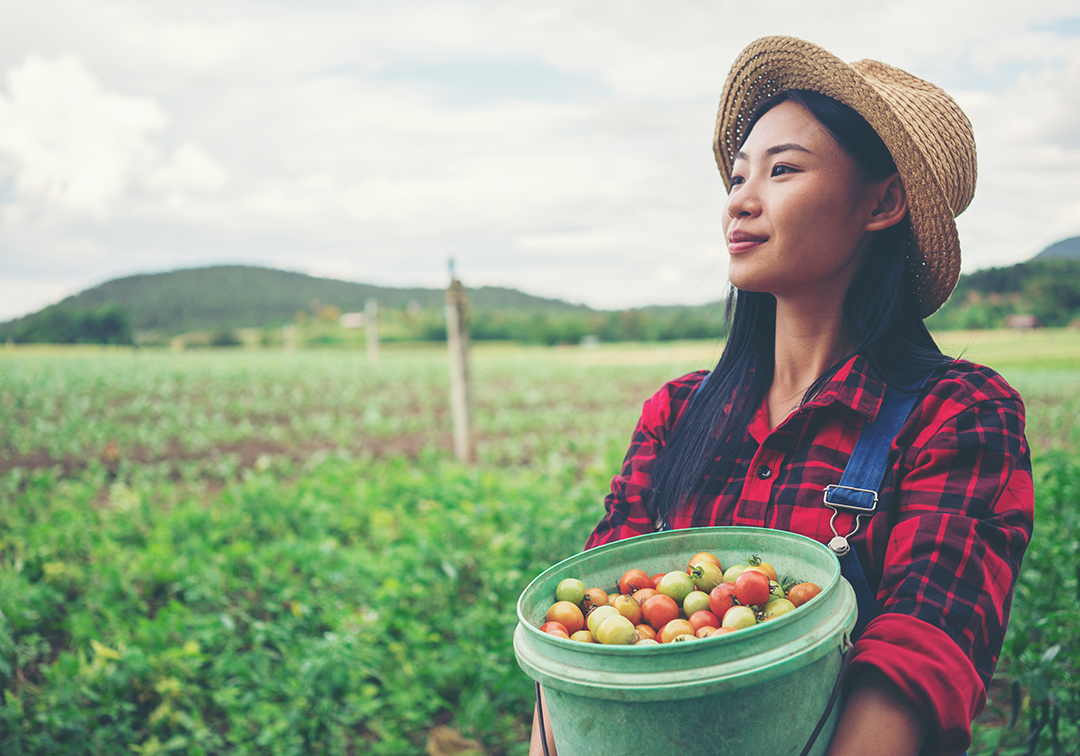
808, 341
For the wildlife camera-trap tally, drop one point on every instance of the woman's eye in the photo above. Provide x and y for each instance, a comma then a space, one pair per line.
780, 170
736, 180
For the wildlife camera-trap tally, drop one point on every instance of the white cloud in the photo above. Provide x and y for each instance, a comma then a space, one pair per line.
285, 134
72, 149
72, 145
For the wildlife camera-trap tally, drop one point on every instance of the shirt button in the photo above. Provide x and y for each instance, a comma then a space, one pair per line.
764, 472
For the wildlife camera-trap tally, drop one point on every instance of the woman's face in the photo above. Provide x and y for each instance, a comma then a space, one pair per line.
795, 219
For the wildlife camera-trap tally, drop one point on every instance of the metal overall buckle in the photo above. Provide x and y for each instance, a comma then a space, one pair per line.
839, 544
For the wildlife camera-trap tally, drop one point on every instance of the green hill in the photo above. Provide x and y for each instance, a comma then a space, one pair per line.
219, 300
237, 296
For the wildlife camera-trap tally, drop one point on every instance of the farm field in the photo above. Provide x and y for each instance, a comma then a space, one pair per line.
251, 552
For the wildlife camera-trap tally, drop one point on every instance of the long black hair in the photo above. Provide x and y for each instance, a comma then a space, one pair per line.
880, 315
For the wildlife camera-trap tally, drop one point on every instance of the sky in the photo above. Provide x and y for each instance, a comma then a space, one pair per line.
561, 148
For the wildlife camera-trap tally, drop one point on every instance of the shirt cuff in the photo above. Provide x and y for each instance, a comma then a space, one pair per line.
931, 672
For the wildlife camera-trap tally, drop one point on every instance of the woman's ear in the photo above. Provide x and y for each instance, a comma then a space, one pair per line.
889, 203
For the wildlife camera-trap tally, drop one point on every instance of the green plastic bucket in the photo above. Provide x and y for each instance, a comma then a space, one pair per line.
758, 690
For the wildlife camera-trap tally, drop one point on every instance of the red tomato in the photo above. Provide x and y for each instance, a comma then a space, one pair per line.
644, 631
566, 614
645, 594
802, 593
658, 610
721, 599
703, 619
752, 588
595, 597
634, 580
656, 579
547, 627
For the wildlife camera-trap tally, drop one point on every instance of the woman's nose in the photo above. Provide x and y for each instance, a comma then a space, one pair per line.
743, 200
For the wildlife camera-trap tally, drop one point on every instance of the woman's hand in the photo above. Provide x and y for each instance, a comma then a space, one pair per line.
877, 719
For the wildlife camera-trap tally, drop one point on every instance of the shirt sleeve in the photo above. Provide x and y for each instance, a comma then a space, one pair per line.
964, 516
625, 512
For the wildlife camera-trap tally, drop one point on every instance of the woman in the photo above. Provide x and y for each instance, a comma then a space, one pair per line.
844, 181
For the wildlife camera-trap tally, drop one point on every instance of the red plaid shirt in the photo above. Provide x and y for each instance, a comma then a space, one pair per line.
943, 550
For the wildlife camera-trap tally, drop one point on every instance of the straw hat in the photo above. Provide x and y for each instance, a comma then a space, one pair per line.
928, 135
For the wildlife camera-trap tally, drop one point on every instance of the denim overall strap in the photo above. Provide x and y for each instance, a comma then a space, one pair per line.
857, 490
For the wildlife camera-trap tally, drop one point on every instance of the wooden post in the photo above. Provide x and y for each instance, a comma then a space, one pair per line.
457, 336
371, 323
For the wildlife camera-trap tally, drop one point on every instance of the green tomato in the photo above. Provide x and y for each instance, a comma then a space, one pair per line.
571, 589
598, 615
777, 608
677, 585
616, 630
739, 617
695, 601
706, 575
733, 572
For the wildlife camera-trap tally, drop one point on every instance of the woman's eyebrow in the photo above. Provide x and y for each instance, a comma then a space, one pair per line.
786, 147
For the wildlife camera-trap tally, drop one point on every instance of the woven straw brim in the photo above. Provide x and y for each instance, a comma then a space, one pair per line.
927, 134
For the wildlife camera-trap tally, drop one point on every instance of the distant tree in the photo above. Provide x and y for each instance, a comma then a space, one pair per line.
63, 324
224, 337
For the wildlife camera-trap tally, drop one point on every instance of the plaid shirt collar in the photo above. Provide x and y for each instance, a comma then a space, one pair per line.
851, 386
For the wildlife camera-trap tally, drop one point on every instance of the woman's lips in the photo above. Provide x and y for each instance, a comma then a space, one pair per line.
739, 242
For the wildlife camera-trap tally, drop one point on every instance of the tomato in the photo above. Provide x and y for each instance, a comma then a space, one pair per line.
595, 597
722, 598
547, 627
752, 588
583, 636
559, 634
765, 567
644, 594
647, 642
674, 629
656, 578
659, 610
732, 572
778, 608
739, 617
703, 619
628, 607
676, 584
616, 630
695, 601
598, 615
706, 631
707, 557
644, 632
634, 580
567, 614
706, 575
723, 630
802, 593
571, 589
